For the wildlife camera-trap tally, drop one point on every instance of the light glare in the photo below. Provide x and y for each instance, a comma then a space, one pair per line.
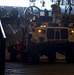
39, 31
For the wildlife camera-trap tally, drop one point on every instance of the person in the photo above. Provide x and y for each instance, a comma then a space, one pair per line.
17, 46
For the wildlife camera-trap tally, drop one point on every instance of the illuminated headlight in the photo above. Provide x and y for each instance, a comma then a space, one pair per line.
41, 31
72, 32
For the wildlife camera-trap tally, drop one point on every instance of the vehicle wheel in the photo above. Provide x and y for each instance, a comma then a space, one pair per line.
69, 53
13, 56
34, 57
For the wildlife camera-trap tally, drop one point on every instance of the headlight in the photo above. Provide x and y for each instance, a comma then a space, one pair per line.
41, 31
72, 32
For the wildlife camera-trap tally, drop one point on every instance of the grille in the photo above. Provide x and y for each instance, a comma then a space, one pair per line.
50, 33
53, 33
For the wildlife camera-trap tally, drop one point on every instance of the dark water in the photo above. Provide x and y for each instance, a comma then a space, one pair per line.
43, 68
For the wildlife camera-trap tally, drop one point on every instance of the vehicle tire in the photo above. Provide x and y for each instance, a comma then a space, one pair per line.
33, 52
34, 57
69, 53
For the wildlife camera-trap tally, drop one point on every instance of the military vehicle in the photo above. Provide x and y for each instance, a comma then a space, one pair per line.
43, 34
